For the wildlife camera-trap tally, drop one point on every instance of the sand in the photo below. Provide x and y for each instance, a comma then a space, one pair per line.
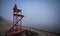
4, 26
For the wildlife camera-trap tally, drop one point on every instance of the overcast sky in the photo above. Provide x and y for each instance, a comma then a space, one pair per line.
41, 14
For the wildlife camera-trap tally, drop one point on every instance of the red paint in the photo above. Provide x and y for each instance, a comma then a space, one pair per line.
16, 29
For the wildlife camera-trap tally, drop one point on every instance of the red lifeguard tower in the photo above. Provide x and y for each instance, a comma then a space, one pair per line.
16, 29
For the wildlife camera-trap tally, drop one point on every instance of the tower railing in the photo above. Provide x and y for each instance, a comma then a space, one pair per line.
17, 21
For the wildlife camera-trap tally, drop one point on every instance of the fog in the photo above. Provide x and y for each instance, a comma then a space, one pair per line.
40, 14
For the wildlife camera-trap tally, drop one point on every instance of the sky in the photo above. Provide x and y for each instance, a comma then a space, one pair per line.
40, 14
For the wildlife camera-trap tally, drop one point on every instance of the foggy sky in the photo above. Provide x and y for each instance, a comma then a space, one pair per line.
41, 14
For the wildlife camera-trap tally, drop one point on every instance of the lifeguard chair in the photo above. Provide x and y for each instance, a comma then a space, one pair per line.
16, 29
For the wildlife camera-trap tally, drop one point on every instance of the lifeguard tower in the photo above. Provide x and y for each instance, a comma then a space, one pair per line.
16, 29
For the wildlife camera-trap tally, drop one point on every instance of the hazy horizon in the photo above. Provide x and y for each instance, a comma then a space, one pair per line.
41, 14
